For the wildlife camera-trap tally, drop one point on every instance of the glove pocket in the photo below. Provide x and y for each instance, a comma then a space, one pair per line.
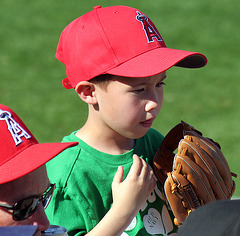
195, 176
181, 196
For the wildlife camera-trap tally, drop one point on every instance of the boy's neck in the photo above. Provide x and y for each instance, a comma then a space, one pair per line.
107, 143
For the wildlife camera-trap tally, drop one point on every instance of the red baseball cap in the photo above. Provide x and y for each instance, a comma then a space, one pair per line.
117, 40
20, 152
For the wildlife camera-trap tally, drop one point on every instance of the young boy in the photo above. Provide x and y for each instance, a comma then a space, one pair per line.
116, 61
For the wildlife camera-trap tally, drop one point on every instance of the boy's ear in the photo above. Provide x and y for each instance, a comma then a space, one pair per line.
86, 91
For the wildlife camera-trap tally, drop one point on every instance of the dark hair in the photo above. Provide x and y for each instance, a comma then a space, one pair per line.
102, 80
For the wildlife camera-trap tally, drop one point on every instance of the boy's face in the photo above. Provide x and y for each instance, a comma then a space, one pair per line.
128, 106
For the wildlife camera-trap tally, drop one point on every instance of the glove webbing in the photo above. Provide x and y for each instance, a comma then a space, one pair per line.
169, 145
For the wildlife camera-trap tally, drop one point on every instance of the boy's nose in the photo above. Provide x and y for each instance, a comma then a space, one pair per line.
154, 101
151, 104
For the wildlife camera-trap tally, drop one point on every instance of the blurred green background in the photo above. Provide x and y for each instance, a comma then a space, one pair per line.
207, 98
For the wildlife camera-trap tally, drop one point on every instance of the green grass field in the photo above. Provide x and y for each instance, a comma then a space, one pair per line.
207, 98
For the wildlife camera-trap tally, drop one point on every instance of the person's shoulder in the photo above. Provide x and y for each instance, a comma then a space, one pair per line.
216, 218
154, 134
150, 143
65, 153
71, 137
153, 131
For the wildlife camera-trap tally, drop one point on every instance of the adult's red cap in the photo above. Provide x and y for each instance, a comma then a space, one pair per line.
117, 40
20, 152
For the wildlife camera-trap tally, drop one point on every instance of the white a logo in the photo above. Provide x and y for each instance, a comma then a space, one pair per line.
14, 128
150, 30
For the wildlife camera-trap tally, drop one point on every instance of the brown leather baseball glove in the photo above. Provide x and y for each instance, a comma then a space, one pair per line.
197, 174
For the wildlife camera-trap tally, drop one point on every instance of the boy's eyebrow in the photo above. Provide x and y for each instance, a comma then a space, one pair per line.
134, 81
165, 76
162, 79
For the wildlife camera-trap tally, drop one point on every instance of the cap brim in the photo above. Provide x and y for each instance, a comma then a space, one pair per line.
158, 60
31, 158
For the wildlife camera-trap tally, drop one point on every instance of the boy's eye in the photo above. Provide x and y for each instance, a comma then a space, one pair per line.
160, 84
138, 90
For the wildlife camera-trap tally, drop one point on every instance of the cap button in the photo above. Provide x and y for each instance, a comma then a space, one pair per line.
66, 83
96, 7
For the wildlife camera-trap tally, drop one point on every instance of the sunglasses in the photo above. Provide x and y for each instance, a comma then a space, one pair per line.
26, 207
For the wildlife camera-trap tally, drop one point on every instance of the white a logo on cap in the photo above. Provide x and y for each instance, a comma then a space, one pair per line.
149, 29
14, 128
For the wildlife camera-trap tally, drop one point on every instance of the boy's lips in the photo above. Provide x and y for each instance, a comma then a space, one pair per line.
147, 123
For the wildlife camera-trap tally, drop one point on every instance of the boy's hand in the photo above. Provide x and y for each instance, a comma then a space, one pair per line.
129, 195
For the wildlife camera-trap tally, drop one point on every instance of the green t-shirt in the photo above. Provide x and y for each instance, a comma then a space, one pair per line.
83, 194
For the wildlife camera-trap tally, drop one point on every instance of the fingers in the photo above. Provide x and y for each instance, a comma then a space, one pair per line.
134, 190
137, 165
153, 180
140, 172
141, 168
150, 178
118, 177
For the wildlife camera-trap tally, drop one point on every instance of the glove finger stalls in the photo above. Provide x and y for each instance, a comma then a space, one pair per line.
218, 158
206, 142
207, 164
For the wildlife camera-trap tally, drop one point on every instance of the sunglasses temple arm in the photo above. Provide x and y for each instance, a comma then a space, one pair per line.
6, 206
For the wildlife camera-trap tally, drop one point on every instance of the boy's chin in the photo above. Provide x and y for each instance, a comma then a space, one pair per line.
140, 134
